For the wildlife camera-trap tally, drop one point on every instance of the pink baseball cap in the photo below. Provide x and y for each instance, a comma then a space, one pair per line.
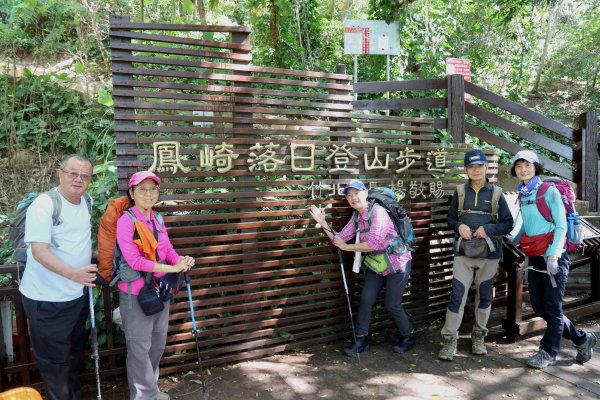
141, 176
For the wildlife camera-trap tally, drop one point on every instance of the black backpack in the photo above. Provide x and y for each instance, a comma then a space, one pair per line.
16, 232
386, 198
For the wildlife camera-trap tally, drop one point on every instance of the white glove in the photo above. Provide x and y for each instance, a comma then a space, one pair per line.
552, 265
510, 239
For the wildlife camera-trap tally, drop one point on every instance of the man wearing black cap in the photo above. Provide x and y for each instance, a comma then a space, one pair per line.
479, 215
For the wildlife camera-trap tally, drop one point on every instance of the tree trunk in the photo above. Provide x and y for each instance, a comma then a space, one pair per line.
97, 35
274, 24
595, 77
201, 11
299, 35
547, 39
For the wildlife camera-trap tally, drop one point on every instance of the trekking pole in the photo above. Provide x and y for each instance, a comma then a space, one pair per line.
94, 334
195, 333
348, 298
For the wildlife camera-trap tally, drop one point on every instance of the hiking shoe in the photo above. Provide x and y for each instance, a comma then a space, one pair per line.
162, 396
405, 344
448, 350
585, 350
541, 360
357, 347
478, 343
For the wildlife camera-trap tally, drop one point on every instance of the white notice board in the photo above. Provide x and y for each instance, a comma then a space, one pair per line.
371, 37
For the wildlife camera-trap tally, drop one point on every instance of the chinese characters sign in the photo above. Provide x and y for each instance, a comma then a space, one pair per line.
336, 158
269, 158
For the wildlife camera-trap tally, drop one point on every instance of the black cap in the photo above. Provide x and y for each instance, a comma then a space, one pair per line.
475, 156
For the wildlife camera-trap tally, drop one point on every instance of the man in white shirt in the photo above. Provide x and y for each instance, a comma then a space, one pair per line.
58, 269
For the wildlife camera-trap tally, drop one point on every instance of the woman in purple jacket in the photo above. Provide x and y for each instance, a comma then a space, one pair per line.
376, 236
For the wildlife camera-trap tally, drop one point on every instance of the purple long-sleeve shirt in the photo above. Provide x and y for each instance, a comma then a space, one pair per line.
381, 234
134, 256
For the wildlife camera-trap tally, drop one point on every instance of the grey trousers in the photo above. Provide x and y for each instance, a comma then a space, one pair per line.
466, 270
146, 337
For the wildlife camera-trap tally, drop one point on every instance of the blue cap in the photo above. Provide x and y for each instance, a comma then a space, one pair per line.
526, 155
475, 156
354, 184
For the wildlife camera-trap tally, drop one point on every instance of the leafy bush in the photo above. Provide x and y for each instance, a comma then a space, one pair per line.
40, 27
41, 114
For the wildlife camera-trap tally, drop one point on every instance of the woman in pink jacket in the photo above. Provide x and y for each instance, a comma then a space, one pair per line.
145, 336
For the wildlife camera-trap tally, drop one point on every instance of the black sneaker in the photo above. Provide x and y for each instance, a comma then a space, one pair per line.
405, 344
357, 347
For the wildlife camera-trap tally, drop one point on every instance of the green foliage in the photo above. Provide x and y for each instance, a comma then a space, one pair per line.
293, 34
39, 113
40, 27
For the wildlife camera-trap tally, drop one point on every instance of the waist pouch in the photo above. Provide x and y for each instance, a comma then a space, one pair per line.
537, 245
149, 299
378, 263
476, 247
169, 285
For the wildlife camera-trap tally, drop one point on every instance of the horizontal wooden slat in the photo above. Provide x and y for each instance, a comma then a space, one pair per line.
400, 104
382, 125
397, 86
230, 99
187, 106
215, 76
233, 89
519, 110
553, 166
308, 132
214, 65
223, 55
520, 131
240, 47
122, 24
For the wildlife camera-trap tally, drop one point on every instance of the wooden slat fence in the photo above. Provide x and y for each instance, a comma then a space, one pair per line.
500, 122
266, 280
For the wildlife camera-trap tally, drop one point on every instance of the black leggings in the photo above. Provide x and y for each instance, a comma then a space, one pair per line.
395, 285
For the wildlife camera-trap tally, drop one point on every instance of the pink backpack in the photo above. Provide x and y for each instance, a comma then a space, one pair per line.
575, 230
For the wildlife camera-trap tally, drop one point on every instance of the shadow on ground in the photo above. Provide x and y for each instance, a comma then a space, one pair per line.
322, 372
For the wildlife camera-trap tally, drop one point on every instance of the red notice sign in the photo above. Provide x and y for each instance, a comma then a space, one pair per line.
460, 66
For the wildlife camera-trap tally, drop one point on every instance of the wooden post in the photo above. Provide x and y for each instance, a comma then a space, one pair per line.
587, 160
595, 276
455, 87
124, 162
124, 168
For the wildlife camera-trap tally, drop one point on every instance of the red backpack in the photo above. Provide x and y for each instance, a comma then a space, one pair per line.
574, 229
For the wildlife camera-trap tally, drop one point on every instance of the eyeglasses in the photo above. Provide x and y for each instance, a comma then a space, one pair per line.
154, 190
74, 175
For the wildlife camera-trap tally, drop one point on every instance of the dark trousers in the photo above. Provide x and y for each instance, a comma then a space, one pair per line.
56, 331
547, 303
394, 290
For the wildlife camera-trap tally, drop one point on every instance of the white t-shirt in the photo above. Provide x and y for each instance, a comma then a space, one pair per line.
74, 239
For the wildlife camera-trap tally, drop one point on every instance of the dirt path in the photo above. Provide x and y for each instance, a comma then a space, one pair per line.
322, 372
